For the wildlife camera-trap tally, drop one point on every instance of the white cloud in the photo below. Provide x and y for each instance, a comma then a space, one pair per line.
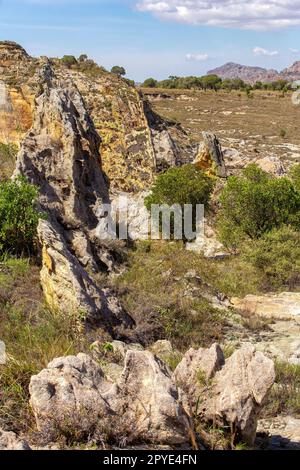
295, 51
245, 14
261, 51
196, 57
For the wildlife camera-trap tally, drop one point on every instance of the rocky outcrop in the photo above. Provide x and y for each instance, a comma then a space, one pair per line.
228, 395
9, 441
210, 157
60, 155
239, 391
73, 395
285, 306
197, 368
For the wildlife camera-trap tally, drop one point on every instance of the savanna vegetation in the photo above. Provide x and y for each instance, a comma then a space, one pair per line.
213, 82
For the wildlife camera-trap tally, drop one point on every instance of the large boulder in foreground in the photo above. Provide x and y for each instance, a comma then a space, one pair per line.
232, 395
73, 396
10, 441
239, 391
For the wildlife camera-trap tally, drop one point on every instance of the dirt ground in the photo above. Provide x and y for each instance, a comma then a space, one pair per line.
263, 124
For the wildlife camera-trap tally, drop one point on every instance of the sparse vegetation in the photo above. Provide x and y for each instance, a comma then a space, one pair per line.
33, 337
285, 396
8, 153
277, 257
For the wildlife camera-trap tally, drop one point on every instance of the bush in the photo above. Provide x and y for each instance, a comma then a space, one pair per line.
255, 203
18, 216
69, 60
277, 256
185, 185
295, 176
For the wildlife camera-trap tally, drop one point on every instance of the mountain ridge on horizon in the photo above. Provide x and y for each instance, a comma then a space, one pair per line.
252, 74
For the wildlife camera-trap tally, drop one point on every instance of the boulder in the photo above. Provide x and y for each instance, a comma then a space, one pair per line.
196, 368
151, 400
73, 396
10, 441
238, 392
207, 244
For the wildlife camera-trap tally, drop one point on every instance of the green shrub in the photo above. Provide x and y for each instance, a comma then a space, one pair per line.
277, 256
295, 176
185, 185
18, 216
254, 203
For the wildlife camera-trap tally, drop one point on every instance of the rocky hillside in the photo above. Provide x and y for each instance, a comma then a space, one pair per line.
134, 142
149, 344
252, 75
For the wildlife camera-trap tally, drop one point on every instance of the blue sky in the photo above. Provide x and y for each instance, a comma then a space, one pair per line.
158, 37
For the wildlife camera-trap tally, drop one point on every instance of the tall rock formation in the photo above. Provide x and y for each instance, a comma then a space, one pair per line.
60, 155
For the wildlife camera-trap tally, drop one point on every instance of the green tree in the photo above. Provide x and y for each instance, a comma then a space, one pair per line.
211, 82
254, 203
150, 83
117, 70
18, 216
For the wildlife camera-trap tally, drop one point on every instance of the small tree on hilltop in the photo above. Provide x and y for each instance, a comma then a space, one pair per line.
117, 70
69, 60
150, 83
82, 58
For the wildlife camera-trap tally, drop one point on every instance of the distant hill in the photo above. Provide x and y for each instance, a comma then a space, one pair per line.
255, 74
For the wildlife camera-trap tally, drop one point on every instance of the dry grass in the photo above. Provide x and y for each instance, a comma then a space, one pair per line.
262, 125
285, 395
33, 337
